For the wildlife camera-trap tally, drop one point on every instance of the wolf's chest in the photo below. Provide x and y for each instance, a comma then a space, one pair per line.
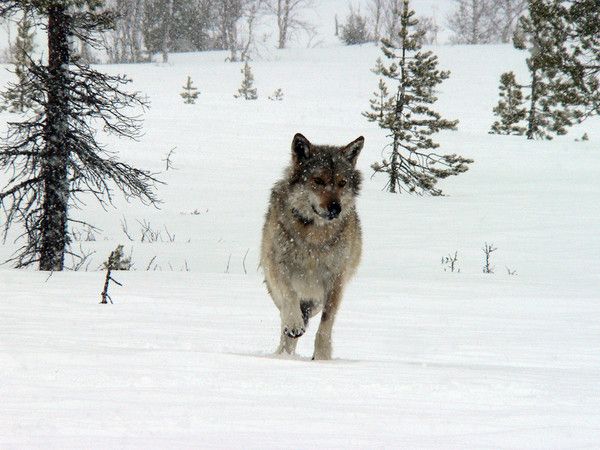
316, 265
311, 273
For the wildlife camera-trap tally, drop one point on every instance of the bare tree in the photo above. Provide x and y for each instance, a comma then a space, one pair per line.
236, 22
384, 18
124, 44
488, 249
6, 55
229, 12
450, 262
253, 10
507, 15
289, 18
53, 155
375, 11
473, 22
429, 29
391, 11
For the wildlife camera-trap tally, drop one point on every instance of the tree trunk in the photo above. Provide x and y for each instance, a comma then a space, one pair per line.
283, 19
53, 224
166, 42
394, 167
532, 126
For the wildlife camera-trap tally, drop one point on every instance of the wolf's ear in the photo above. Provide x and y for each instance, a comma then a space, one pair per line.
301, 148
352, 150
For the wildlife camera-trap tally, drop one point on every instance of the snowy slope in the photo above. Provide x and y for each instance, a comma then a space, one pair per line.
423, 358
181, 361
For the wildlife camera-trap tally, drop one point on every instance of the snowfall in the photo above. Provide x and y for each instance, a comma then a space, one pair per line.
423, 357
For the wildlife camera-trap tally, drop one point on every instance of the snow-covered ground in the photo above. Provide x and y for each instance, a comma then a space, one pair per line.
422, 357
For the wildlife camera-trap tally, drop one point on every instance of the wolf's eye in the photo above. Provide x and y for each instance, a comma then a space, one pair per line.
319, 181
342, 183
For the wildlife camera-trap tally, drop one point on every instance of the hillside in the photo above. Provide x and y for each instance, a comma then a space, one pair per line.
423, 358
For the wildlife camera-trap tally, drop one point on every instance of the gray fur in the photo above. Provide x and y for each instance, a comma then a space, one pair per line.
311, 242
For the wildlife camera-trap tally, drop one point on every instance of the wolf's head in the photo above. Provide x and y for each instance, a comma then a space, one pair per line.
323, 180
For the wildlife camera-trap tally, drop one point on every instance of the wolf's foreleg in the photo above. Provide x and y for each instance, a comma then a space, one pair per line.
292, 326
292, 320
287, 344
323, 339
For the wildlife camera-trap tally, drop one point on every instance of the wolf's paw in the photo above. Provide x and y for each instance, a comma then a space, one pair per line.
294, 332
293, 323
322, 347
322, 355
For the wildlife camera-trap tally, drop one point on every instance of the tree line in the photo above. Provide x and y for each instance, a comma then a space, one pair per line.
144, 28
470, 22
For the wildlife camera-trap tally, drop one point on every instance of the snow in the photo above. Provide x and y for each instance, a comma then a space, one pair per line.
422, 358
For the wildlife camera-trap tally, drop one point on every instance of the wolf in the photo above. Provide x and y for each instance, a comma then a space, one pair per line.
311, 241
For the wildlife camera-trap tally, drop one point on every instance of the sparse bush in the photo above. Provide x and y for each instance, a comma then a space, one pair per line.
450, 262
355, 31
429, 29
277, 95
488, 249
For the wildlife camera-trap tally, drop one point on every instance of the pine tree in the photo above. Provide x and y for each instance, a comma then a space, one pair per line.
190, 93
544, 33
406, 114
510, 108
18, 97
247, 89
54, 156
580, 55
354, 31
277, 95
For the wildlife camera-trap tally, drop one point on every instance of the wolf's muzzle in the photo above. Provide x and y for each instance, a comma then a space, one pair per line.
333, 210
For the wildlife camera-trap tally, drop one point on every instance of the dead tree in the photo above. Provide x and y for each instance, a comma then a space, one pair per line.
116, 261
450, 262
289, 20
473, 22
53, 155
168, 161
124, 44
488, 249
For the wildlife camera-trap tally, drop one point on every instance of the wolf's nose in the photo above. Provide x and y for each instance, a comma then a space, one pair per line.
334, 210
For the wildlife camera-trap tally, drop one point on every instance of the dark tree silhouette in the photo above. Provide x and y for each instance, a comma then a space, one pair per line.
53, 156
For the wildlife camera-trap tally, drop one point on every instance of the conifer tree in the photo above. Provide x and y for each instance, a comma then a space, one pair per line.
510, 108
277, 95
54, 157
579, 56
354, 31
412, 165
247, 89
18, 98
190, 93
552, 92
